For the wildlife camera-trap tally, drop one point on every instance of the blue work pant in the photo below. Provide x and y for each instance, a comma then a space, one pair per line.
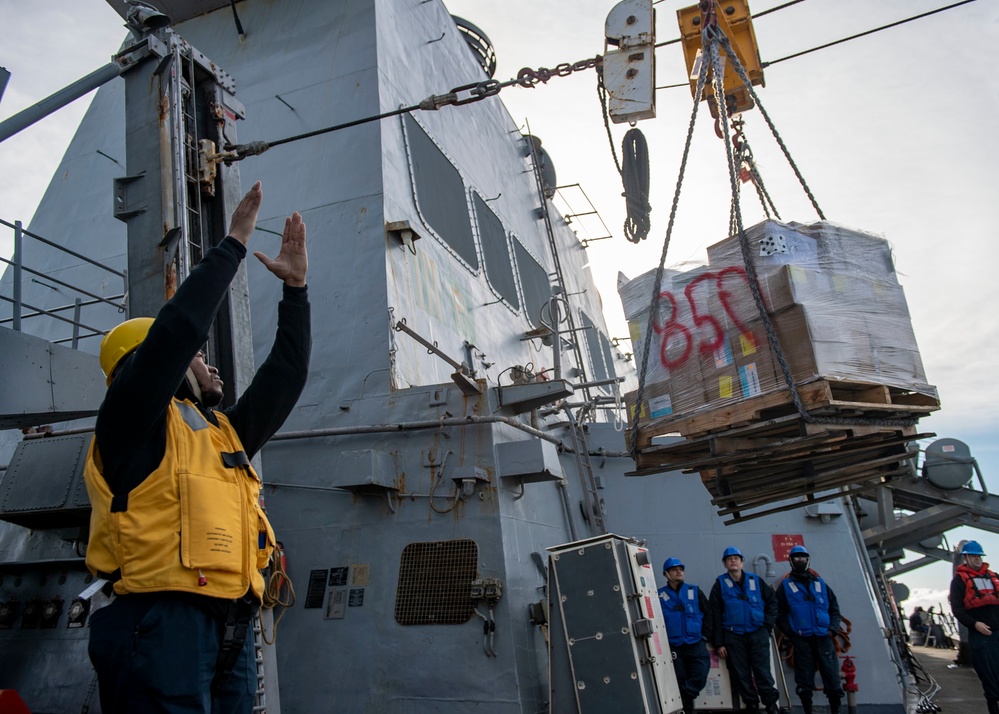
811, 653
692, 664
985, 659
156, 654
749, 663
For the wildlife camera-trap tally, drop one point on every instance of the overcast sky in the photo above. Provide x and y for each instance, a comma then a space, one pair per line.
893, 132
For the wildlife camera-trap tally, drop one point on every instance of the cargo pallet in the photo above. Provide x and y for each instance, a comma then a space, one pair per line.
760, 451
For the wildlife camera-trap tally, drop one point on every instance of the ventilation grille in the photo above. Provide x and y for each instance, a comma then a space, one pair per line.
434, 583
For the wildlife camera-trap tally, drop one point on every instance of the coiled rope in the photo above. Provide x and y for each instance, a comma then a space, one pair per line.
278, 590
634, 171
635, 177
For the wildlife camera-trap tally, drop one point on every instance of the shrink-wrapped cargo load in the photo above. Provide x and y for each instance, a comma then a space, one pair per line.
837, 309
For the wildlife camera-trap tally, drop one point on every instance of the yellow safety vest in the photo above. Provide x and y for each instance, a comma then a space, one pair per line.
195, 524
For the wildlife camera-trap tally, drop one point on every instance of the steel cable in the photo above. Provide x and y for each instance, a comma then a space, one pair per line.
720, 40
657, 286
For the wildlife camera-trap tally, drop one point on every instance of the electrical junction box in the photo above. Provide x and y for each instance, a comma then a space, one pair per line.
608, 650
629, 63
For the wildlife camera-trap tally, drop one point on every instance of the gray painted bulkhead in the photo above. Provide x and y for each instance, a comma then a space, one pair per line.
672, 511
334, 62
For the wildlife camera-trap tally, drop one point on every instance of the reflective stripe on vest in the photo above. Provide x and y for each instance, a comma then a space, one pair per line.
808, 606
981, 587
682, 613
743, 606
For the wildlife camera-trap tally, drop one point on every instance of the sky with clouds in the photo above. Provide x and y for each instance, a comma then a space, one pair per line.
892, 131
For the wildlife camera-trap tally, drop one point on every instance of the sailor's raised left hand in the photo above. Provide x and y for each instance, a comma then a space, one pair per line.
292, 262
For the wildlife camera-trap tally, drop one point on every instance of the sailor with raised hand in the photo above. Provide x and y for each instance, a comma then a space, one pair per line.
684, 608
974, 600
176, 521
744, 610
808, 614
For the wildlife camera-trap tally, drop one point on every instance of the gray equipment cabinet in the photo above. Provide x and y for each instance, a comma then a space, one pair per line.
608, 649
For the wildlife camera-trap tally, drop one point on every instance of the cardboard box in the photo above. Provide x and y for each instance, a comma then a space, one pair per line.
656, 404
820, 246
831, 293
771, 245
742, 368
670, 399
824, 349
854, 252
793, 285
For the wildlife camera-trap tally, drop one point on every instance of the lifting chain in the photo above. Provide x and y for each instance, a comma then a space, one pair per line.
458, 96
715, 41
712, 40
658, 283
748, 170
530, 78
526, 77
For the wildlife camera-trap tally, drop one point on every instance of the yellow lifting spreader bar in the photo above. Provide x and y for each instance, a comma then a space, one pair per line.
734, 19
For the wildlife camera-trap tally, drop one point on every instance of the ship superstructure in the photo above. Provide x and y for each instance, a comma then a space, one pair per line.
458, 418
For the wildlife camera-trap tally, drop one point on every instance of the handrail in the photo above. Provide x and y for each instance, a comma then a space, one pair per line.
19, 305
57, 281
64, 249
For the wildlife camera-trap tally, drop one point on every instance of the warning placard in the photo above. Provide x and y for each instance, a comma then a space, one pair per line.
782, 544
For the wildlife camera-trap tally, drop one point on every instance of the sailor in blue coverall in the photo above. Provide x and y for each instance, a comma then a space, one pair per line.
807, 613
744, 610
684, 607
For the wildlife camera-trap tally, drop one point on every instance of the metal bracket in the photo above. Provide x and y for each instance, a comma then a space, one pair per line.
404, 232
122, 209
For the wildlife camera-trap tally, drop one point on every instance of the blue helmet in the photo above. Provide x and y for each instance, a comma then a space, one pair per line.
972, 547
732, 550
672, 563
798, 550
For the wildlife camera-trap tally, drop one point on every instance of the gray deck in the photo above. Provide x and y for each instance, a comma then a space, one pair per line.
960, 689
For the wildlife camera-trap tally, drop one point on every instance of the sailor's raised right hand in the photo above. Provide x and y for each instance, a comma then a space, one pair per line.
244, 218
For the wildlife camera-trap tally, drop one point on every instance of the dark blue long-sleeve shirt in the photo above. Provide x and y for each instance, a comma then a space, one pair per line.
131, 423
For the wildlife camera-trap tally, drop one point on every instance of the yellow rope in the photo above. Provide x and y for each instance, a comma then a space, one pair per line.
278, 590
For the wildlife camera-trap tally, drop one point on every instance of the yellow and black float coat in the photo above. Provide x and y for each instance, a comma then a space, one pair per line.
141, 411
193, 525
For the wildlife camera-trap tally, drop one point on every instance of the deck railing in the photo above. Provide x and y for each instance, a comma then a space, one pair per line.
23, 311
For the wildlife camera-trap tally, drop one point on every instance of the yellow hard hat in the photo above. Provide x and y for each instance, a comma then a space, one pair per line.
119, 342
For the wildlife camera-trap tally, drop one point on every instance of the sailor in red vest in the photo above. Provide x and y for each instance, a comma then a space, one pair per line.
684, 607
974, 599
808, 614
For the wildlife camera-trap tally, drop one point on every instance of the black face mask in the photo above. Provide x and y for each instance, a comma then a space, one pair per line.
799, 565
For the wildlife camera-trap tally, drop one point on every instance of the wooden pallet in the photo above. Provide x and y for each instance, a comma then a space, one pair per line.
854, 400
783, 463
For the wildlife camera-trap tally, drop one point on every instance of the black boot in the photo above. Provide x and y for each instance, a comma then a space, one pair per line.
834, 705
688, 703
806, 707
772, 708
993, 705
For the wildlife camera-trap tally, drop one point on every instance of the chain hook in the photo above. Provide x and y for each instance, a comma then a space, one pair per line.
709, 14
